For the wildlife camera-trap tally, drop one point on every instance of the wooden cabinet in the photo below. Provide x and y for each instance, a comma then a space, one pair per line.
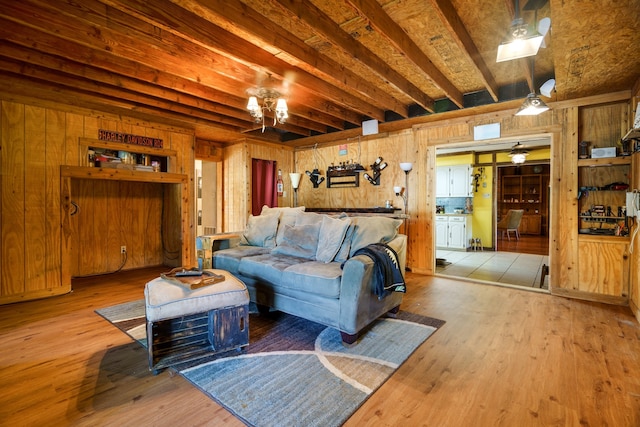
453, 231
531, 224
526, 188
453, 181
605, 270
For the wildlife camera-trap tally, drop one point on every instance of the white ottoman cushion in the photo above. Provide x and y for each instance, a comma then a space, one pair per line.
167, 300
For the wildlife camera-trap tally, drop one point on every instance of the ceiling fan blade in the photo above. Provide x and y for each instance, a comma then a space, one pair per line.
543, 28
534, 4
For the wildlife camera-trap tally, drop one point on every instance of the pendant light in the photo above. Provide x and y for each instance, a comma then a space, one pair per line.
532, 105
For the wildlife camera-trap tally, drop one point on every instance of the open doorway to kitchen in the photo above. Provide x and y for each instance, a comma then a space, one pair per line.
475, 189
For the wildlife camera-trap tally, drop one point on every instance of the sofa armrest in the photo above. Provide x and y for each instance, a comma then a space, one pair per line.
359, 305
399, 244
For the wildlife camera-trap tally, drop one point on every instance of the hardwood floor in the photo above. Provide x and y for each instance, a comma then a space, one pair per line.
505, 357
527, 244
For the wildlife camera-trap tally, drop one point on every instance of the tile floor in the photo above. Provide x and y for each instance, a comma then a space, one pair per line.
492, 266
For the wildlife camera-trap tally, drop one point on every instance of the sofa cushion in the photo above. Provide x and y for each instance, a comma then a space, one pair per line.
369, 229
261, 231
309, 218
229, 259
267, 267
332, 232
287, 216
299, 241
313, 277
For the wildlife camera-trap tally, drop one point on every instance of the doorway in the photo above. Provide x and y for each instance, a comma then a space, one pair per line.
206, 190
486, 256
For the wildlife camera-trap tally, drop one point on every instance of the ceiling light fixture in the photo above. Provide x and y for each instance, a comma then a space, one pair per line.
532, 105
521, 40
272, 100
518, 154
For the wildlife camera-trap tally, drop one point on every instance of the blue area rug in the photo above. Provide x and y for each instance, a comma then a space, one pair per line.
295, 372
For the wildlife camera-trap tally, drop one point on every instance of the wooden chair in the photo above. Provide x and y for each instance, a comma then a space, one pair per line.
511, 222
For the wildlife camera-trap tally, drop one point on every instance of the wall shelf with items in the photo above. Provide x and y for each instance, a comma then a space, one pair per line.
122, 156
602, 186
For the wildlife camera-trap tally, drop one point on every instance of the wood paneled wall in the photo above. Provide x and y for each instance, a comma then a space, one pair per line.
601, 118
35, 142
112, 214
236, 208
634, 273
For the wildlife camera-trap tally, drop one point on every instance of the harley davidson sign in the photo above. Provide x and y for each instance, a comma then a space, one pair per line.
127, 138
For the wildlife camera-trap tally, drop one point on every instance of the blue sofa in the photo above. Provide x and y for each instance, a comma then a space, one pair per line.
303, 264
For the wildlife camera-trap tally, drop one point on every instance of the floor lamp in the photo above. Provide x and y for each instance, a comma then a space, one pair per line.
295, 183
406, 167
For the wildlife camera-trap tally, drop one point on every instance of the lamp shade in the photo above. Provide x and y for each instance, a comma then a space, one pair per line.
397, 189
281, 105
518, 158
295, 179
252, 105
406, 166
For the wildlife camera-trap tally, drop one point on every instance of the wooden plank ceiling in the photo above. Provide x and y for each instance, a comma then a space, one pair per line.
337, 62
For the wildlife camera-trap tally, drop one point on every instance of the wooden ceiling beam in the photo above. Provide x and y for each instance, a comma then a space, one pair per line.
128, 74
135, 100
88, 73
450, 18
372, 12
326, 28
262, 32
212, 38
64, 95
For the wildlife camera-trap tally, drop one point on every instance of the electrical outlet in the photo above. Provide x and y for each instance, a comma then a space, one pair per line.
123, 249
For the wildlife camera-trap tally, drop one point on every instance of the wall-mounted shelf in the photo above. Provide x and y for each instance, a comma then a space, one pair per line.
85, 172
610, 161
343, 178
598, 198
166, 157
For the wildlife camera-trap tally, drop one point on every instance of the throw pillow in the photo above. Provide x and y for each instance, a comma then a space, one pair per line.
299, 241
371, 229
332, 232
260, 231
343, 252
287, 217
306, 218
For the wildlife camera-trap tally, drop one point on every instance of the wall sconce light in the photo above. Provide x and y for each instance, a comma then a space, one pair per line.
315, 177
295, 183
377, 167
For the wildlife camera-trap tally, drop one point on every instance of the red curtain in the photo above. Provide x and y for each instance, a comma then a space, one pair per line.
263, 185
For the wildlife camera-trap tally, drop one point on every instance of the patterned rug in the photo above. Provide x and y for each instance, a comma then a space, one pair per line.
295, 372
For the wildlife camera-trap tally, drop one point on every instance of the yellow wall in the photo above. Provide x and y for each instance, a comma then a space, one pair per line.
483, 204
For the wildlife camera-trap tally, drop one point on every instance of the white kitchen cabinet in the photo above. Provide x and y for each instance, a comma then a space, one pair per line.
453, 231
453, 181
442, 231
